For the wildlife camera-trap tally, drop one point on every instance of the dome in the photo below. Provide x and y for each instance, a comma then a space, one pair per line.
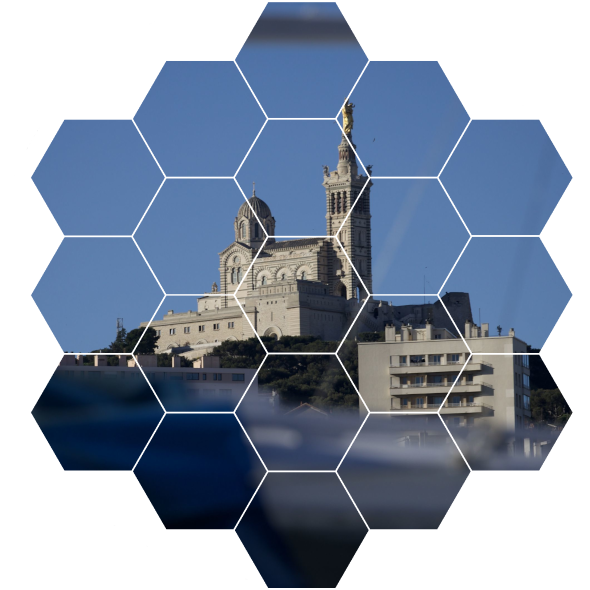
260, 207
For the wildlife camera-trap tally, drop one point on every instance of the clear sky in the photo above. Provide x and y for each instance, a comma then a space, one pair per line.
270, 117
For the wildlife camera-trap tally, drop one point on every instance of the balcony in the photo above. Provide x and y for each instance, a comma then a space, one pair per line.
435, 367
434, 388
453, 409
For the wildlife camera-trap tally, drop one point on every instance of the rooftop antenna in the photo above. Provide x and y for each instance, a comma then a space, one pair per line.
119, 324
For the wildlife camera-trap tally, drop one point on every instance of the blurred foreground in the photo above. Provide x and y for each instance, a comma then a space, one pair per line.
287, 485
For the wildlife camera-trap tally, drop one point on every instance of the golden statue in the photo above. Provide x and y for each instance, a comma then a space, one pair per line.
347, 119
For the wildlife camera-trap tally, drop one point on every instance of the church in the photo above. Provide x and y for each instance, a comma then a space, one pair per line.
301, 286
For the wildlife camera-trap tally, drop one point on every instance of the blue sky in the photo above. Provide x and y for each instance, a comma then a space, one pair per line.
480, 220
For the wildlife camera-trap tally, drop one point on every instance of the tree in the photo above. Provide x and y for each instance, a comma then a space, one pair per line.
148, 342
540, 376
548, 405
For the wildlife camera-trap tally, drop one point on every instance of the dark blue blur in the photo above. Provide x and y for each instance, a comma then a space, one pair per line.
192, 466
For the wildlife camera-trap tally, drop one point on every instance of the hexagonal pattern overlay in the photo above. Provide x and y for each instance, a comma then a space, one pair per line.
197, 470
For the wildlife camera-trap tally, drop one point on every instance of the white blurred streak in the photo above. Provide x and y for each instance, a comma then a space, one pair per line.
398, 231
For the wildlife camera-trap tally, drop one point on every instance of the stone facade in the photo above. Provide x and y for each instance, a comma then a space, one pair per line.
301, 286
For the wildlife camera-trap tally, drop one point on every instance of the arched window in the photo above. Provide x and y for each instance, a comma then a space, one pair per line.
263, 281
333, 203
256, 230
339, 203
344, 202
283, 277
242, 230
233, 275
239, 274
303, 276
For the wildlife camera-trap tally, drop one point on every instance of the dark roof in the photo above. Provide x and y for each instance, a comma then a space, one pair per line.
305, 407
303, 243
260, 208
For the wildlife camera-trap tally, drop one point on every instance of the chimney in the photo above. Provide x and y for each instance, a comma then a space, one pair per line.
390, 333
468, 327
511, 333
147, 360
406, 333
485, 330
68, 360
211, 362
100, 360
428, 331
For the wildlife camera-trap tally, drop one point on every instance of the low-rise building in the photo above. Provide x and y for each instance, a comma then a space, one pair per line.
179, 388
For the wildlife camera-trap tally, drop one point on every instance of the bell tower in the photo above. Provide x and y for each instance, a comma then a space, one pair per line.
344, 188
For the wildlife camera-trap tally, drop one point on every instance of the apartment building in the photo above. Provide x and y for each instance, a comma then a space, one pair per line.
179, 388
416, 367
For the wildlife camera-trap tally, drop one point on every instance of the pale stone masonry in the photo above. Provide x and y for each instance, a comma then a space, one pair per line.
301, 286
414, 369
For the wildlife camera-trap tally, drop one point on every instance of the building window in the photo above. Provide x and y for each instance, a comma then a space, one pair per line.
303, 276
243, 230
344, 202
239, 274
419, 402
230, 325
158, 332
419, 380
187, 330
233, 276
469, 379
263, 281
217, 376
525, 360
333, 204
237, 377
192, 376
437, 400
527, 381
204, 376
172, 331
403, 361
283, 277
216, 326
456, 401
256, 230
201, 328
405, 401
454, 359
435, 359
470, 399
527, 402
437, 379
437, 337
